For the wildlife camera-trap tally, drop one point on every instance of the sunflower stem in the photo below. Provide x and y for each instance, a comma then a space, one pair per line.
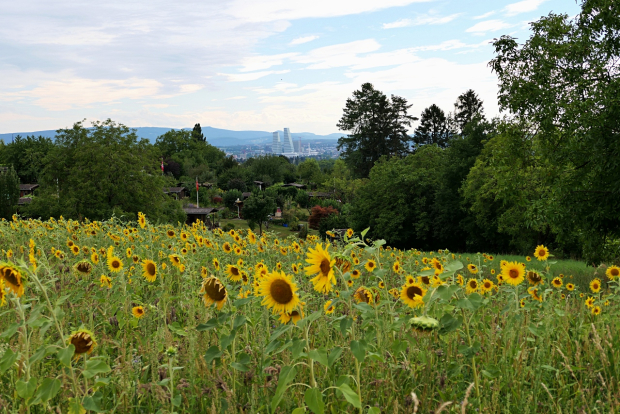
473, 359
310, 361
359, 387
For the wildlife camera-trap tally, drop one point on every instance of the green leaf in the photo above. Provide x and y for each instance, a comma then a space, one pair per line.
374, 410
95, 366
176, 328
212, 353
297, 347
319, 355
10, 330
176, 401
64, 355
350, 395
242, 362
359, 350
282, 329
334, 355
314, 400
75, 407
211, 323
449, 323
454, 266
537, 330
8, 359
240, 302
226, 340
491, 371
93, 402
26, 389
345, 324
272, 346
445, 292
240, 320
299, 410
38, 355
469, 352
287, 374
47, 390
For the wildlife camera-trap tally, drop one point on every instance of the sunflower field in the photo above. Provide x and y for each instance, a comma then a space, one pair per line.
142, 318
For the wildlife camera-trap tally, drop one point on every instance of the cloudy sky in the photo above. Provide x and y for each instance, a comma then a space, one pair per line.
244, 64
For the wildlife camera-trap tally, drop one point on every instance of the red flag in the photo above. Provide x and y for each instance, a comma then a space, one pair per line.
196, 183
162, 165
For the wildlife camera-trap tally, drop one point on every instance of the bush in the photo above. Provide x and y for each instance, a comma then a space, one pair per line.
303, 233
319, 213
331, 222
228, 227
302, 199
230, 197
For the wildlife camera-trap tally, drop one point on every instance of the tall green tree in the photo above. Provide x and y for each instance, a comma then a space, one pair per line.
257, 208
9, 192
377, 127
565, 81
197, 134
26, 155
433, 128
467, 106
190, 156
96, 172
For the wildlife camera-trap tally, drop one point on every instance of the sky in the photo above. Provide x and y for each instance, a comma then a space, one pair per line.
245, 64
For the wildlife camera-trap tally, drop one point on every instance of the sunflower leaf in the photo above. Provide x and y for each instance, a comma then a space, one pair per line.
240, 302
319, 355
47, 390
297, 348
94, 367
211, 323
26, 389
449, 323
334, 355
279, 332
314, 399
240, 320
212, 353
287, 374
345, 324
359, 350
10, 331
8, 359
93, 403
350, 395
64, 355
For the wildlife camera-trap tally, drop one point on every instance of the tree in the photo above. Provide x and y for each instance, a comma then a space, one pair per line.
466, 107
378, 127
197, 134
26, 155
93, 172
309, 170
257, 208
318, 214
565, 81
230, 197
9, 192
397, 200
433, 128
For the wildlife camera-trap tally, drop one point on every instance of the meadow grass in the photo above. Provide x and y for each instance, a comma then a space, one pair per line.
502, 351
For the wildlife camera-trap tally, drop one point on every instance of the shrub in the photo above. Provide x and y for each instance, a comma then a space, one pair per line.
319, 213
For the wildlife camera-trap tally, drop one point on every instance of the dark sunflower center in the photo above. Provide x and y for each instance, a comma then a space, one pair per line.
150, 269
426, 280
413, 291
513, 273
371, 264
473, 284
595, 285
116, 264
234, 271
11, 277
615, 272
281, 291
325, 267
82, 342
215, 290
83, 267
541, 252
487, 285
245, 278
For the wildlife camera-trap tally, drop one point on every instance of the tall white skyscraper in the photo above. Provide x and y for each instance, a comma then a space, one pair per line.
287, 142
276, 146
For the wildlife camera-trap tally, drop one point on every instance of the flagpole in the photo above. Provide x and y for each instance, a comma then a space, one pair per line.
197, 205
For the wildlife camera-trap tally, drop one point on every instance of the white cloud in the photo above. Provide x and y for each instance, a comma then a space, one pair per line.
236, 97
261, 62
301, 40
245, 77
271, 10
522, 7
337, 55
488, 26
421, 20
484, 16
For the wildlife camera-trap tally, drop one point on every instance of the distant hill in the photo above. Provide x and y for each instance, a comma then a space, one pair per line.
215, 136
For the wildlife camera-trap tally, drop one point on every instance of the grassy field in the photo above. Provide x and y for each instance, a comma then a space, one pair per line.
105, 317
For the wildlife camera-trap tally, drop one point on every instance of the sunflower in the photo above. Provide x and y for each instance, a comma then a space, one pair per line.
473, 269
94, 258
556, 282
214, 292
128, 252
233, 273
596, 310
349, 233
570, 286
541, 253
412, 294
83, 340
363, 295
175, 260
105, 281
395, 293
141, 219
252, 238
522, 302
295, 268
355, 274
238, 250
343, 265
216, 264
278, 291
533, 291
613, 272
370, 265
149, 270
83, 268
115, 264
436, 264
590, 302
349, 282
12, 278
492, 271
75, 249
137, 311
321, 265
328, 308
595, 285
534, 278
460, 280
244, 278
381, 285
170, 233
472, 286
226, 247
513, 273
486, 286
528, 258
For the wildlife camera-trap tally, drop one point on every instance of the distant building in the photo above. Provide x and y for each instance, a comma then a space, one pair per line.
297, 145
287, 144
276, 146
